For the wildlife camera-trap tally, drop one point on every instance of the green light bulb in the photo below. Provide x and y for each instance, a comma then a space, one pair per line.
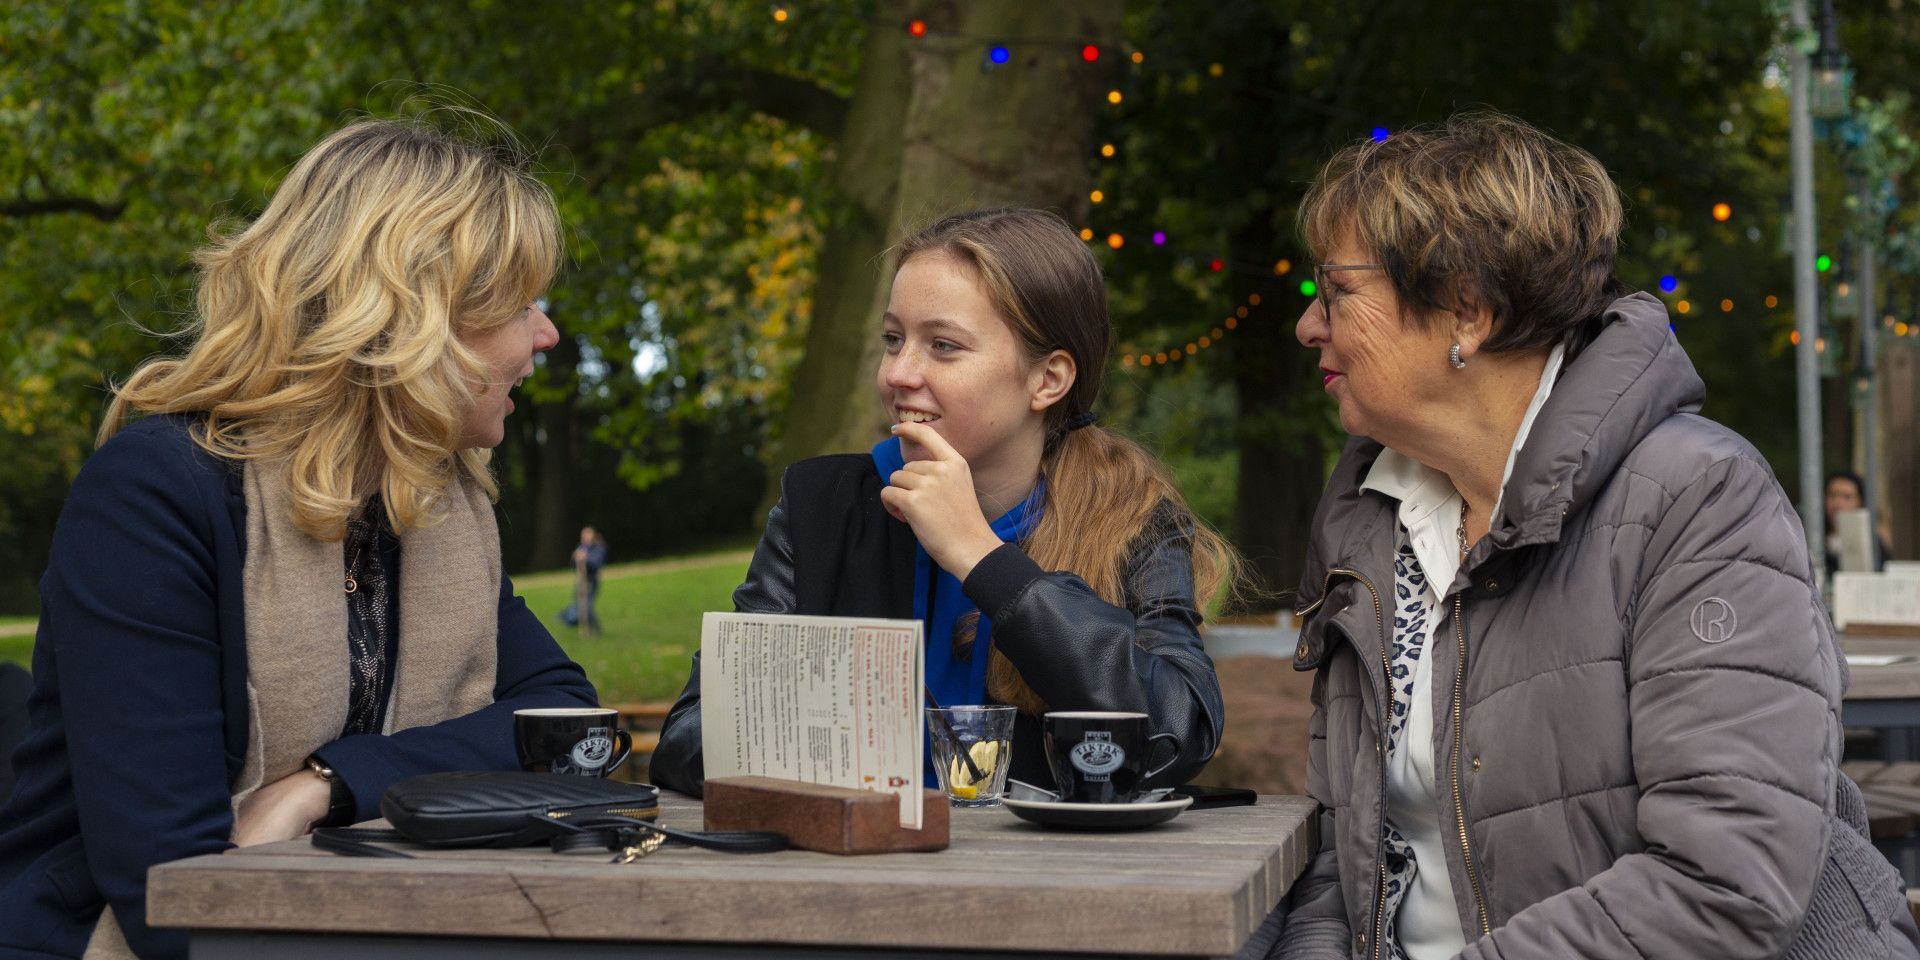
1307, 288
1823, 262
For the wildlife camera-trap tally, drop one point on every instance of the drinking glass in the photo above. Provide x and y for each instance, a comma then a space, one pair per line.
980, 734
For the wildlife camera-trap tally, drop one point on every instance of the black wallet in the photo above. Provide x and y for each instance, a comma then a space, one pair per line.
513, 808
506, 808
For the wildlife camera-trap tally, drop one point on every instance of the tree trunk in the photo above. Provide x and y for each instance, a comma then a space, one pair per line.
1900, 458
1282, 467
936, 128
851, 275
1836, 419
1282, 464
553, 476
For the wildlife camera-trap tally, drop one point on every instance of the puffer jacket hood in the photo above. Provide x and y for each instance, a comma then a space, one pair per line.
1637, 696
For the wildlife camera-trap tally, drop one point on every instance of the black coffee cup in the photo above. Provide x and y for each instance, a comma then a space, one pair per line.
578, 741
1101, 756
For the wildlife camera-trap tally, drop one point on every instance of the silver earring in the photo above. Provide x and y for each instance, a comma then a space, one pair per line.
1453, 355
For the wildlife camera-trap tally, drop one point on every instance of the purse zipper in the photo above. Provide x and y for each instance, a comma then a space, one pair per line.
637, 813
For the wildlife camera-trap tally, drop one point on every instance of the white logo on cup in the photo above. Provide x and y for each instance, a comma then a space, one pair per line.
591, 752
1097, 757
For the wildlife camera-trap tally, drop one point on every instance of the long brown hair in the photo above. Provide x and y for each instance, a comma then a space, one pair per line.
1104, 492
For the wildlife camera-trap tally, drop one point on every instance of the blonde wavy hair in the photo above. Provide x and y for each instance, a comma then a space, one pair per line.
328, 332
1104, 492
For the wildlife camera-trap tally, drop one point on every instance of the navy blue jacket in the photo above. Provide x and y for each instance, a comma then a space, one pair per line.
139, 709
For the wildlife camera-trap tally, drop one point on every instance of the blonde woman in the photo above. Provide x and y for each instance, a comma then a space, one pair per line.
1053, 561
279, 590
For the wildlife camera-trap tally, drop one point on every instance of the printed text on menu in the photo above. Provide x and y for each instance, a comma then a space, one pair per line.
831, 700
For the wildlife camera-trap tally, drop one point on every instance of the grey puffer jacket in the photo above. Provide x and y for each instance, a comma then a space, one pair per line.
1637, 721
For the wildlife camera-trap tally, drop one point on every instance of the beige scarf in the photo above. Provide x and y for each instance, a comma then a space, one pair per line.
296, 615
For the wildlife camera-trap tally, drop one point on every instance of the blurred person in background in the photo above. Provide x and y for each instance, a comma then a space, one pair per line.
588, 558
1846, 491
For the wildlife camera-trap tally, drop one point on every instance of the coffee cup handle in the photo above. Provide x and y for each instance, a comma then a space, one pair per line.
625, 741
1156, 771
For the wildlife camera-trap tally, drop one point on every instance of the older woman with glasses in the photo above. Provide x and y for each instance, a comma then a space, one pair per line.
1576, 695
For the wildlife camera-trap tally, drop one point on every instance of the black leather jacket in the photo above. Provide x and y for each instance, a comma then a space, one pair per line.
1075, 650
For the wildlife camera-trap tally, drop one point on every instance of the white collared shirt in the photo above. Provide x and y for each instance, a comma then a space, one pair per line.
1429, 510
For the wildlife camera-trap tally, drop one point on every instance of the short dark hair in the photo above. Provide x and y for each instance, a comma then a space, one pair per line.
1485, 208
1859, 485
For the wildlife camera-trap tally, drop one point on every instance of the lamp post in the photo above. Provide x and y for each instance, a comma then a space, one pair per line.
1866, 382
1832, 76
1806, 308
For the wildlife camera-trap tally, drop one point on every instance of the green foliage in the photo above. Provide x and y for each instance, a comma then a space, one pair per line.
1884, 156
125, 130
1669, 96
18, 648
692, 148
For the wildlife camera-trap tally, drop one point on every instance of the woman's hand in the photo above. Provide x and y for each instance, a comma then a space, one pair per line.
282, 810
936, 498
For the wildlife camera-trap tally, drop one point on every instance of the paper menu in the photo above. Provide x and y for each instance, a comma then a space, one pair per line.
1875, 598
829, 700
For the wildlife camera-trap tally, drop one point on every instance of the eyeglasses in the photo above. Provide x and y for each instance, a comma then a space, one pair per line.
1325, 292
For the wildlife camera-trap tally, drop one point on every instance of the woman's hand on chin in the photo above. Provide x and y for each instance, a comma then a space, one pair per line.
282, 810
936, 498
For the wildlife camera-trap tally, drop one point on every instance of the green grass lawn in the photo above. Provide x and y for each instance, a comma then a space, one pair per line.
649, 617
649, 620
17, 648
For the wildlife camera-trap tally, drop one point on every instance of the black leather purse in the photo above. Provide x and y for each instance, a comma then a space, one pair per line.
512, 808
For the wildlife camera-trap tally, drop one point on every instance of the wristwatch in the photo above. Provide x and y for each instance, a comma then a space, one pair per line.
339, 797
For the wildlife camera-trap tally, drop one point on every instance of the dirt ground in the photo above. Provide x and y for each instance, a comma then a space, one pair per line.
1265, 746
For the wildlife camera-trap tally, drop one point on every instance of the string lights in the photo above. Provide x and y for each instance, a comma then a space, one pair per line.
998, 52
1206, 340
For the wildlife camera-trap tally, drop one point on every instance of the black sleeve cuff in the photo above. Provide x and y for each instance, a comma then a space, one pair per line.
1000, 578
340, 804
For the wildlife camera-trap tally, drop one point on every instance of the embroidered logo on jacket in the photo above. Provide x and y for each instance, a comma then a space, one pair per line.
1713, 620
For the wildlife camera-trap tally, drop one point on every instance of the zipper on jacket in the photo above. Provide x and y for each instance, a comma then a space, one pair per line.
1459, 802
1386, 679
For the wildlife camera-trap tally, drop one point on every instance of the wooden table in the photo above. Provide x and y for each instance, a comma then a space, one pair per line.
1887, 698
1197, 886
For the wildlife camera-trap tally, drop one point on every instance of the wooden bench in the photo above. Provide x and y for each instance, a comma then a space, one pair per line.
1892, 795
642, 721
1890, 791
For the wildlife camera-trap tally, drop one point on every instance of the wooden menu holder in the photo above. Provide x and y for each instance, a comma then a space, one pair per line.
827, 819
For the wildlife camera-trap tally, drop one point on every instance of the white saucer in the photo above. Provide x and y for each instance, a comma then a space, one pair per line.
1096, 816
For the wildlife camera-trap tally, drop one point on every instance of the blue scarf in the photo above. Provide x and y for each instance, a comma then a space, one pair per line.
939, 602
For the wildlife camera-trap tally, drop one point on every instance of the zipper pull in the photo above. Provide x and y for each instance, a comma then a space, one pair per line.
646, 844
